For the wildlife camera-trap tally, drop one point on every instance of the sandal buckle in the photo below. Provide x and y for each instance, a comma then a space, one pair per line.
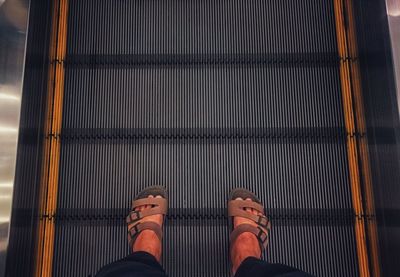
134, 216
262, 235
262, 221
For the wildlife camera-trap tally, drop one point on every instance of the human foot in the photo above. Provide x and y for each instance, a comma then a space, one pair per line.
250, 227
145, 223
147, 240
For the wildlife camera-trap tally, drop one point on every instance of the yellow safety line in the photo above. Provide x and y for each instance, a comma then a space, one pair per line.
363, 143
47, 142
357, 147
51, 150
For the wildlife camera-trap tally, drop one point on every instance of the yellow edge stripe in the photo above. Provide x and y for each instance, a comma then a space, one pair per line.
352, 90
51, 149
363, 143
47, 143
347, 50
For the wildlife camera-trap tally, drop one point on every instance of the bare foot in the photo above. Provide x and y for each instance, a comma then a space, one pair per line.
147, 240
246, 245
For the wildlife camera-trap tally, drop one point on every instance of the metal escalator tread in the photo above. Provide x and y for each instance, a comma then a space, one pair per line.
202, 97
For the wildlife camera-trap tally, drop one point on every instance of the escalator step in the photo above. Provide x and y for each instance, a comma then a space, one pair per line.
324, 250
96, 175
303, 183
103, 27
216, 97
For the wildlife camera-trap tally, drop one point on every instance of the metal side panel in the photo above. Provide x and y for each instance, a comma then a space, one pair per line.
13, 37
24, 217
393, 13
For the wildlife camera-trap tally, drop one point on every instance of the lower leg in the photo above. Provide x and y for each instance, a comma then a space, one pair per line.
147, 240
246, 245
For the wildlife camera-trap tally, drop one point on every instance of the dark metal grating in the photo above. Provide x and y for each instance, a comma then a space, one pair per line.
203, 96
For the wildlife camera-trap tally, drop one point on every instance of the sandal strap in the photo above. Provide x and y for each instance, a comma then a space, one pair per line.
236, 208
261, 231
134, 231
161, 202
242, 204
261, 235
160, 207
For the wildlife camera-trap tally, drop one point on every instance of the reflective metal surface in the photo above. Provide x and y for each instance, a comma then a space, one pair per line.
13, 34
393, 11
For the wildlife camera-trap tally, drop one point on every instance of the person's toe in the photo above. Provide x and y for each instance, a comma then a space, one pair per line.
236, 219
149, 206
159, 216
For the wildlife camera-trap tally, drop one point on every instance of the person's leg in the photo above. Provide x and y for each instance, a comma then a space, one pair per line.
137, 264
246, 251
254, 267
146, 250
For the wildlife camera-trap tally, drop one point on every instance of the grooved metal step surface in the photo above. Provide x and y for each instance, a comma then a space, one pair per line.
201, 97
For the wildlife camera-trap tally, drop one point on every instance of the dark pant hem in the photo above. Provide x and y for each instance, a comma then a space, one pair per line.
144, 258
253, 267
137, 264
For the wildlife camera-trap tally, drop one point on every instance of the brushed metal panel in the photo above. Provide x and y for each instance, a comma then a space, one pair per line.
13, 35
393, 11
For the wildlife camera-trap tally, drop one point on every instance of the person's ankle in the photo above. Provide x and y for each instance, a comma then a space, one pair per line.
245, 246
148, 241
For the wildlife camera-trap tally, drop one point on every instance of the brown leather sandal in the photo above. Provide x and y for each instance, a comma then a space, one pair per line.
159, 206
236, 208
